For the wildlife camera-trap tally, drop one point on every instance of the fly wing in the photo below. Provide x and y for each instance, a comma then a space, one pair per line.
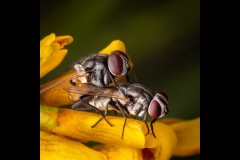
72, 74
110, 92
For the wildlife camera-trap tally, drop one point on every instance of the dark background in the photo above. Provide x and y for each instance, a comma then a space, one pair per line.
162, 39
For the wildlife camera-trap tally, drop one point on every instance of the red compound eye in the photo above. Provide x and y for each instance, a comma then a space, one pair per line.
118, 63
154, 109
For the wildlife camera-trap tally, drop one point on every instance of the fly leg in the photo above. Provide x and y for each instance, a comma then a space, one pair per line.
152, 126
112, 79
121, 108
114, 82
105, 114
113, 105
88, 107
145, 121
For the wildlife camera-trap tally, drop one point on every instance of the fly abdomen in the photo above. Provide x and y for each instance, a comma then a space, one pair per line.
99, 102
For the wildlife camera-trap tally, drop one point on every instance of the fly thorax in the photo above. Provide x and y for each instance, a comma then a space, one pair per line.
134, 108
80, 69
130, 109
106, 77
99, 65
88, 65
141, 103
142, 99
96, 78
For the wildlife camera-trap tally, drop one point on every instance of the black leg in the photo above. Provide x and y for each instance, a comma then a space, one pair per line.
105, 114
145, 121
117, 87
152, 126
113, 105
114, 83
96, 109
98, 122
121, 109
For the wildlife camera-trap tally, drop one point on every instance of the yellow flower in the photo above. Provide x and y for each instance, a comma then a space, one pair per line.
52, 52
181, 138
64, 131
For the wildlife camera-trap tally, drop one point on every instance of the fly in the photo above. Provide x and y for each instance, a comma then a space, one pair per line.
95, 70
129, 99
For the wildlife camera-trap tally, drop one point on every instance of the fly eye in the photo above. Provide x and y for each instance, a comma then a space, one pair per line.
118, 63
154, 109
158, 106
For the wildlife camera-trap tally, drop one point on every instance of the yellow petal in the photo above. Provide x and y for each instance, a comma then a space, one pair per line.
54, 147
63, 40
48, 118
116, 152
116, 45
52, 52
77, 124
170, 121
167, 141
188, 134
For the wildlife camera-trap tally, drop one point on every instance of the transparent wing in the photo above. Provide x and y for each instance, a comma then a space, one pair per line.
72, 74
111, 92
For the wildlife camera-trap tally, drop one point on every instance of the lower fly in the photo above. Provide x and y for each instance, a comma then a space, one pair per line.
129, 99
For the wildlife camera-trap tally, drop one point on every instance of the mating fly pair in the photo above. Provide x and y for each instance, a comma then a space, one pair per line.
95, 86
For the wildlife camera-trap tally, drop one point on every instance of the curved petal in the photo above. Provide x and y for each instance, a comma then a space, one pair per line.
170, 121
52, 52
167, 140
54, 147
188, 134
77, 124
116, 45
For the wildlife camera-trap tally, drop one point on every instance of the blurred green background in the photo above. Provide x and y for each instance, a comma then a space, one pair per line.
162, 38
